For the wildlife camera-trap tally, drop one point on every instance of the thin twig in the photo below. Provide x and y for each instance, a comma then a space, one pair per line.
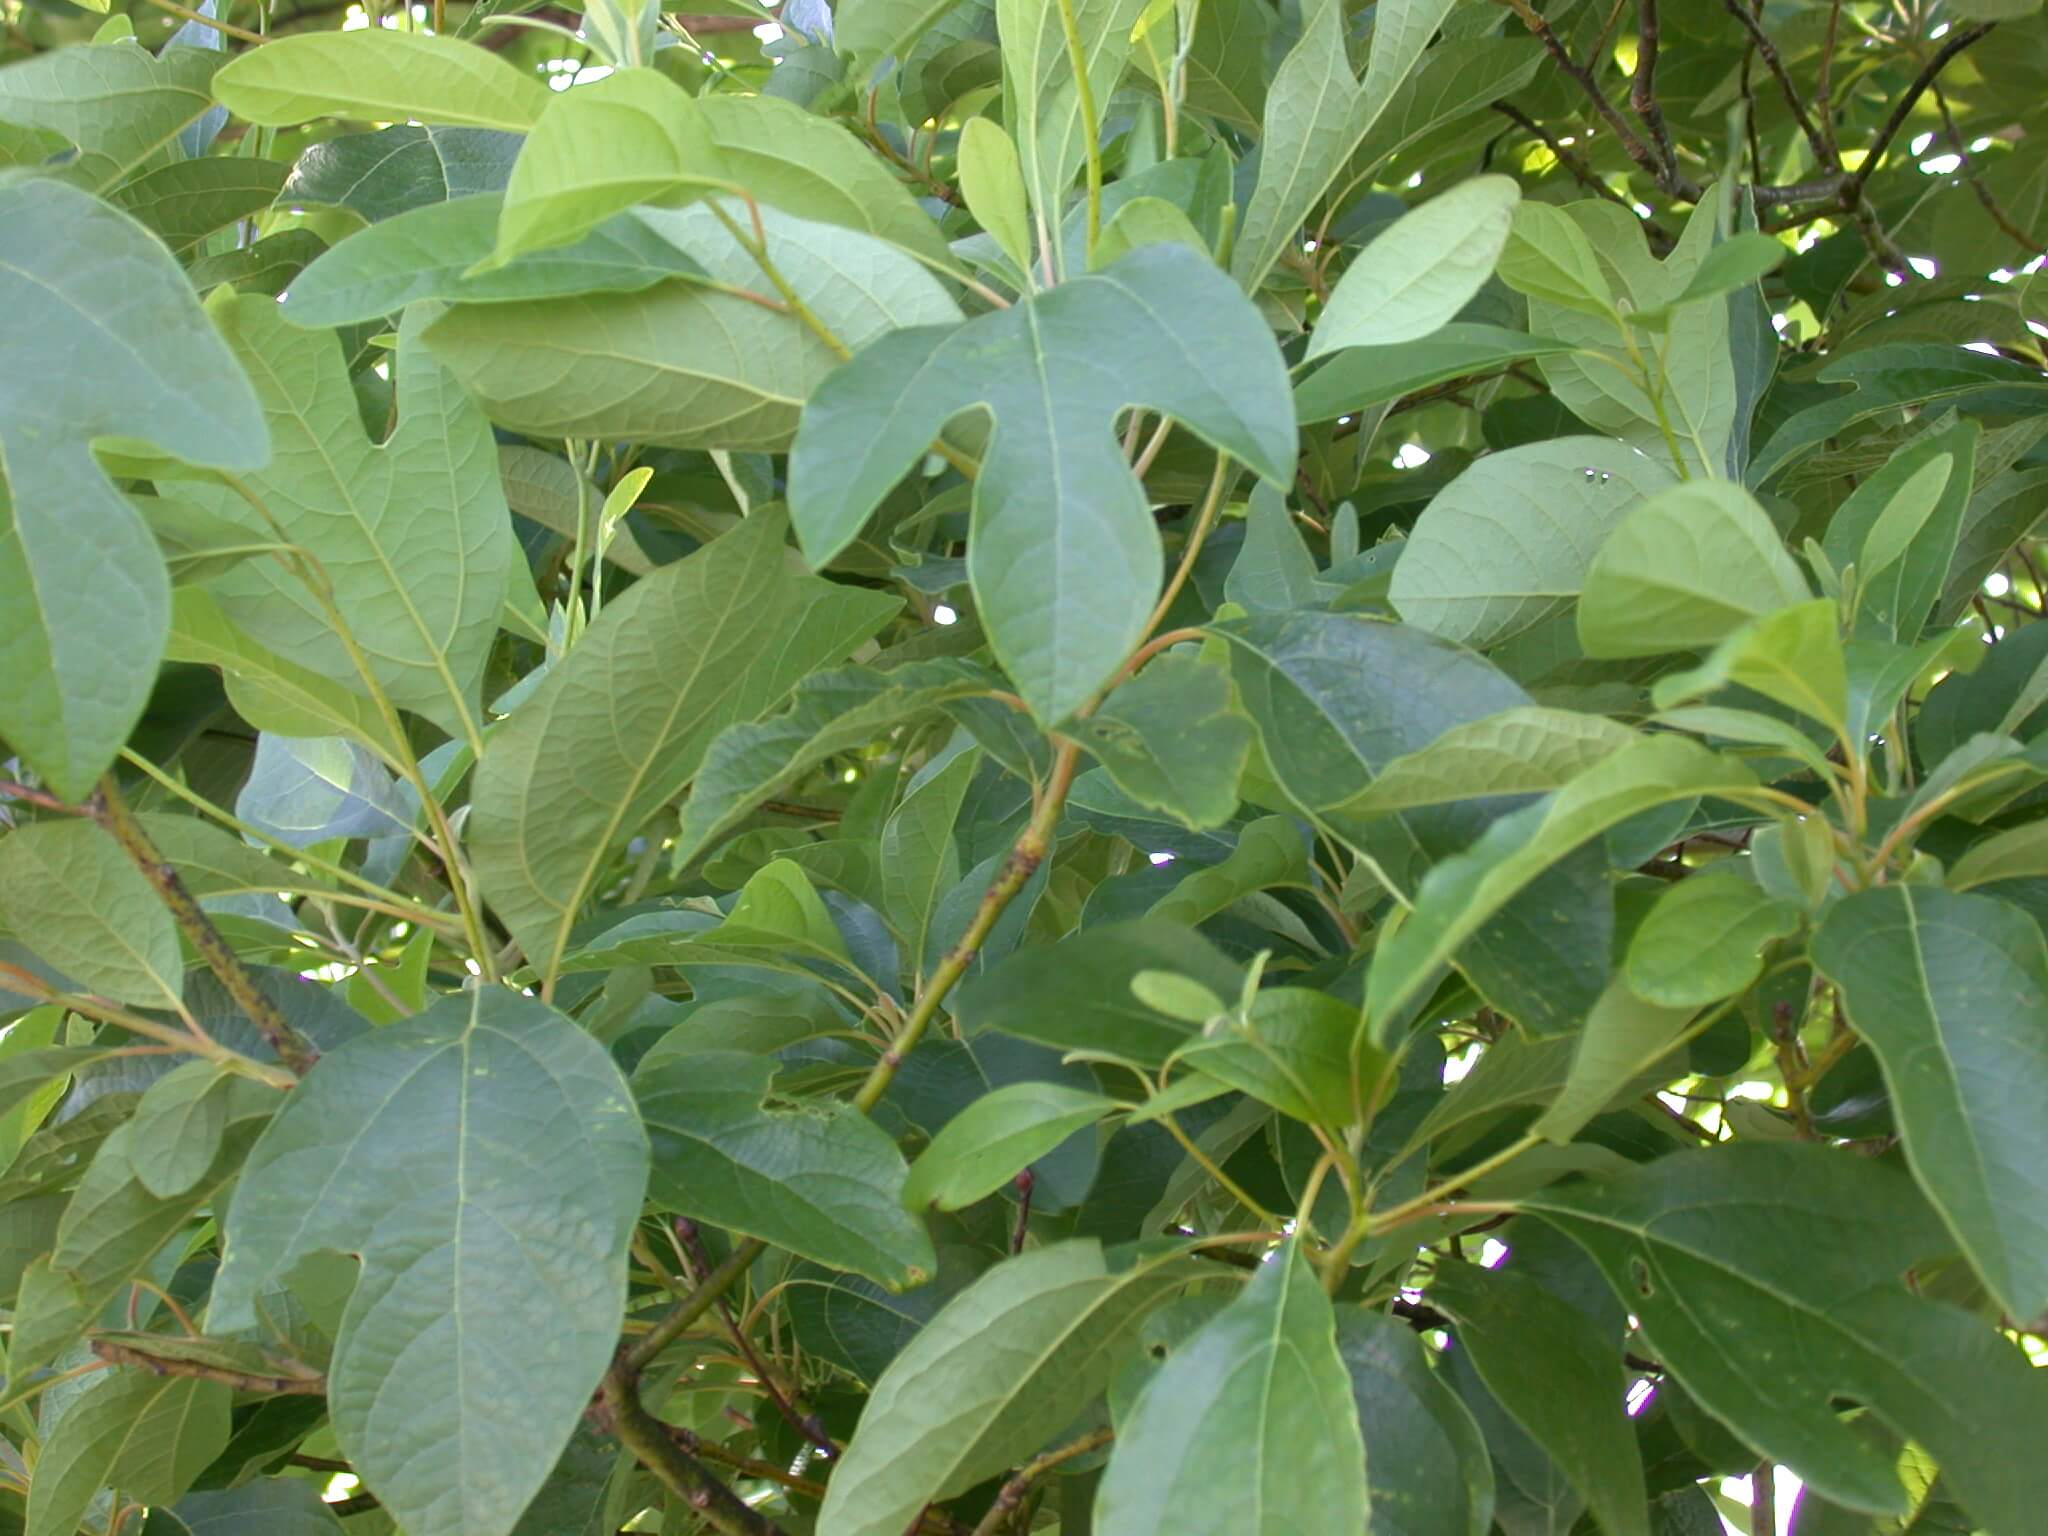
1681, 187
185, 13
242, 1381
1576, 165
1823, 86
1952, 45
699, 1263
1642, 95
655, 1445
41, 799
1767, 50
1968, 167
111, 811
1014, 1492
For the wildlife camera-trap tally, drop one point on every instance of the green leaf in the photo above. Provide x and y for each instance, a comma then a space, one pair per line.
421, 596
920, 859
1316, 116
484, 1159
184, 202
1337, 697
1806, 1245
177, 1129
983, 1147
1417, 275
1526, 750
1882, 378
1794, 656
393, 171
149, 1435
1063, 554
1076, 995
870, 28
633, 137
69, 544
1171, 740
831, 712
268, 691
992, 181
1951, 991
1546, 1363
1548, 257
268, 1506
1426, 1466
68, 890
2017, 853
1297, 1050
379, 74
624, 720
1063, 1316
1900, 528
1042, 97
1273, 569
821, 1180
304, 791
1459, 894
1736, 262
1253, 1414
1702, 939
1509, 542
814, 168
1683, 569
1146, 221
1270, 852
121, 106
682, 365
1623, 1037
428, 253
1365, 376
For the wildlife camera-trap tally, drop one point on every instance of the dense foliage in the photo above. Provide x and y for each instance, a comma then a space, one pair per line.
979, 766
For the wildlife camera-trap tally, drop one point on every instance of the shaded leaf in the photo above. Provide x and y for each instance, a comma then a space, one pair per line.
983, 1147
821, 1180
951, 1410
1806, 1245
1172, 740
626, 718
1254, 1414
1547, 1364
1951, 991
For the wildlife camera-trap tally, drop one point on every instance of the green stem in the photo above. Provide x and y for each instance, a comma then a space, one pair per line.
1026, 854
693, 1306
756, 246
316, 583
379, 898
1091, 129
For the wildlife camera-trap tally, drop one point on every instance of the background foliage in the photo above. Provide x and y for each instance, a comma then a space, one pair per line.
993, 765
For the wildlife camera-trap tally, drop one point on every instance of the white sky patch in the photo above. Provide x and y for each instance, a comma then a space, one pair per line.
945, 614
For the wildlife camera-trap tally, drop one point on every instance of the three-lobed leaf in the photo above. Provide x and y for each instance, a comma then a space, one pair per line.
485, 1160
1062, 552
